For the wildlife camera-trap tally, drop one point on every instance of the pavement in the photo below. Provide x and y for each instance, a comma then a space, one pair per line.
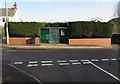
56, 46
95, 65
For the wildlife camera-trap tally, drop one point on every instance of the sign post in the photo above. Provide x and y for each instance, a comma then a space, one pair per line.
7, 32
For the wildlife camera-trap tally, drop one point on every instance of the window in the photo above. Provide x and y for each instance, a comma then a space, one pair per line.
62, 32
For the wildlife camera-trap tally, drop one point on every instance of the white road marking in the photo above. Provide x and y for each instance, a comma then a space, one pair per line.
76, 63
25, 73
73, 60
63, 63
95, 60
18, 62
29, 65
35, 65
46, 61
105, 71
105, 59
46, 64
32, 65
113, 59
84, 60
33, 62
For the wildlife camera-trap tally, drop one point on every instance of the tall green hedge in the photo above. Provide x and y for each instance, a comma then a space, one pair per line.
30, 29
56, 24
2, 32
81, 29
24, 29
90, 29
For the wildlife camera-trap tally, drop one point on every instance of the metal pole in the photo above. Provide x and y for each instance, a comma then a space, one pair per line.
7, 32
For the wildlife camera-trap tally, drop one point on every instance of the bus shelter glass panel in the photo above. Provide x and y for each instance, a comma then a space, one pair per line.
44, 36
54, 36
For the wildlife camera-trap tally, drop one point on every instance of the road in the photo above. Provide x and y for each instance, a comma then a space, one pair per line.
62, 65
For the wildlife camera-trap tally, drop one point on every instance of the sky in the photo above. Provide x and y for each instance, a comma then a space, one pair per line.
64, 10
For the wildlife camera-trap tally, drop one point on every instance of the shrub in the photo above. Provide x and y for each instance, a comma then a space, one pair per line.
90, 29
80, 29
116, 39
25, 29
56, 24
2, 32
30, 29
103, 29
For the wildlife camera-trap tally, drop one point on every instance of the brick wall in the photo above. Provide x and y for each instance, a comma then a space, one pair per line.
37, 40
91, 41
24, 40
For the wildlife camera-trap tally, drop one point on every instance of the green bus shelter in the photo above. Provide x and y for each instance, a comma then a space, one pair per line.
54, 35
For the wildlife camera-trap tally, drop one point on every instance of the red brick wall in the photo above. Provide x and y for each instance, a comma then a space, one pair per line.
23, 40
37, 40
92, 41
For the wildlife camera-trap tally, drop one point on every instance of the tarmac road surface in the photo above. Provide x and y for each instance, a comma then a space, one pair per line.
62, 65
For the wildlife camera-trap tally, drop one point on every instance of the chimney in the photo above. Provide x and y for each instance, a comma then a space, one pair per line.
15, 5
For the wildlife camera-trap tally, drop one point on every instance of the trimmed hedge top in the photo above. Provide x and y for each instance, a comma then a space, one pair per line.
30, 29
82, 29
56, 24
24, 29
79, 29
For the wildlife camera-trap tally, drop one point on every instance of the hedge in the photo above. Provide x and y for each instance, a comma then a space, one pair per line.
81, 29
24, 29
30, 29
56, 24
90, 29
2, 32
115, 39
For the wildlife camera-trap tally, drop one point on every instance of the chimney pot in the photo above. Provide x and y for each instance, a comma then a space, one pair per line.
15, 5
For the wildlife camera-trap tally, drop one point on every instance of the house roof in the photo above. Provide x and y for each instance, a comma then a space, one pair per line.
11, 12
117, 22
